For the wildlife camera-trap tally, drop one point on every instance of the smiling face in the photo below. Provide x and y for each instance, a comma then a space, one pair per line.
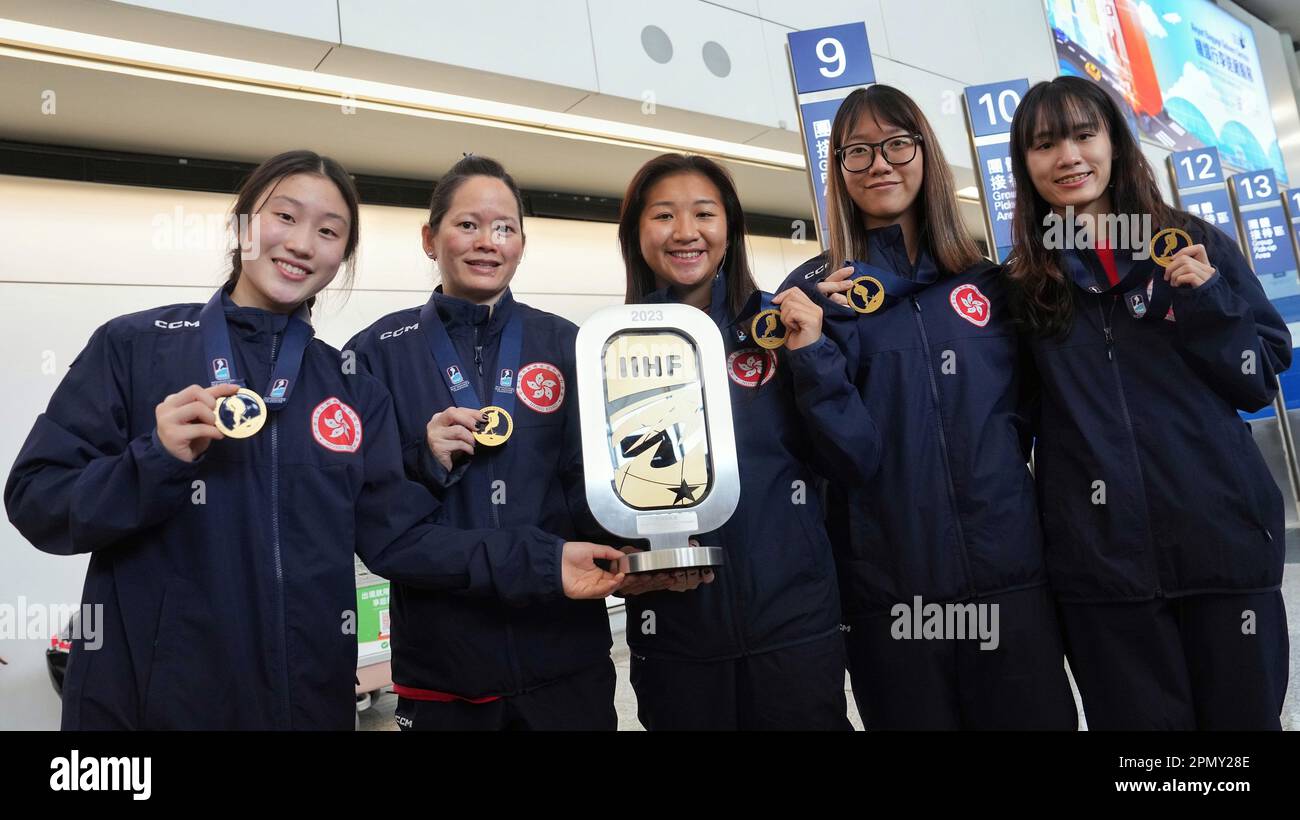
478, 243
683, 230
303, 224
1072, 169
883, 192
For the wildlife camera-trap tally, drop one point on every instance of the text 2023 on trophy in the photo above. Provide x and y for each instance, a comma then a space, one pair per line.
658, 447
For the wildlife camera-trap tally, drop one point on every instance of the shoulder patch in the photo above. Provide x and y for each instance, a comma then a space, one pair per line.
751, 366
541, 386
336, 427
971, 305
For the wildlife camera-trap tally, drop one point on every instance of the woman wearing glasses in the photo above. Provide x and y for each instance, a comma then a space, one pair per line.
949, 621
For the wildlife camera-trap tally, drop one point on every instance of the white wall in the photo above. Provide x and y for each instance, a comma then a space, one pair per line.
587, 56
77, 254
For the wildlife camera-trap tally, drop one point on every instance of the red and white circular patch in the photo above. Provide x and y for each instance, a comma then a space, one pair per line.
336, 426
751, 367
541, 387
971, 305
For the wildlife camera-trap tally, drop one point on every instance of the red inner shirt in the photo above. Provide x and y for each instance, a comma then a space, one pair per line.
1107, 257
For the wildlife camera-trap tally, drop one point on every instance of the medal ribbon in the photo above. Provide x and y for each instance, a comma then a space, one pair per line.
503, 396
896, 287
758, 301
718, 300
221, 361
1134, 280
444, 355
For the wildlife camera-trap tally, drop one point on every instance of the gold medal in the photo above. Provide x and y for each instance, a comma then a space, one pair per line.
767, 329
495, 427
240, 415
863, 298
1164, 257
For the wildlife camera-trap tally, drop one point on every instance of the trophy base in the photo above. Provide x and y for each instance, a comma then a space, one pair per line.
670, 559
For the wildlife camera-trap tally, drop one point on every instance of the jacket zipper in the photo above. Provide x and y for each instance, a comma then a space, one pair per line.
1132, 437
734, 588
943, 445
493, 515
275, 541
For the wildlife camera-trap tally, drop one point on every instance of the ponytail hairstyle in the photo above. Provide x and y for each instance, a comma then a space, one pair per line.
471, 165
260, 185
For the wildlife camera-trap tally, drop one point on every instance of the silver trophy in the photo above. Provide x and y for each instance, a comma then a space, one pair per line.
658, 446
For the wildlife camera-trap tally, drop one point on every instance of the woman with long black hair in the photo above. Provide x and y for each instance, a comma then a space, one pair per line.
1164, 528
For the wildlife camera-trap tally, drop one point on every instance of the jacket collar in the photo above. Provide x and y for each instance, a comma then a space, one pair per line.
719, 310
249, 322
462, 313
887, 249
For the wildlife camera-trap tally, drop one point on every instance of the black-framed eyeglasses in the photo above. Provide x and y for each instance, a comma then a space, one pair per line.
898, 150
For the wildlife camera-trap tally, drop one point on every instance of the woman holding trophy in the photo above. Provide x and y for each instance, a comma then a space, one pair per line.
484, 392
760, 647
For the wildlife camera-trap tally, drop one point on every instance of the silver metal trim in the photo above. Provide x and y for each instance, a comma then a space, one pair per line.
668, 559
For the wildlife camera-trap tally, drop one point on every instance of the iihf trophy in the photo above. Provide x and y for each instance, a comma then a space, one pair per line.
658, 448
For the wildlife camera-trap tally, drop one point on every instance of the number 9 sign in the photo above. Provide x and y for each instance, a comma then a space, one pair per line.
832, 57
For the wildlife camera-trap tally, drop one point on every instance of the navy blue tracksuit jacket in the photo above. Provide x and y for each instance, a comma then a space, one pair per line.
447, 642
1146, 410
227, 583
949, 513
777, 588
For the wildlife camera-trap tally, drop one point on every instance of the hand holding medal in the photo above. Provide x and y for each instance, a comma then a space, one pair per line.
494, 426
450, 432
767, 329
237, 411
801, 316
1189, 267
835, 286
1185, 263
186, 421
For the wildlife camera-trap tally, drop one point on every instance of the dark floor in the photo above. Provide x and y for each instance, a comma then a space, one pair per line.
379, 717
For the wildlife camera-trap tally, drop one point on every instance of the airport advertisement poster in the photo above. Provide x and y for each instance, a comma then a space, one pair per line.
1187, 69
